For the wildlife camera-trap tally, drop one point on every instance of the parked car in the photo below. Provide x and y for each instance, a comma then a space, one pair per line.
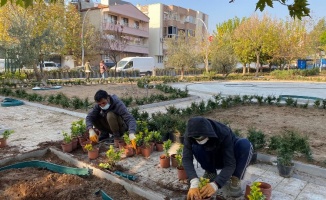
49, 65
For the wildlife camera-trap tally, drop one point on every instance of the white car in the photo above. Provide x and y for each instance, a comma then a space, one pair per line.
49, 65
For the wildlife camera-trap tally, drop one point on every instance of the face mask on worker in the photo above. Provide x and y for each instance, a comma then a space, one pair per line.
201, 140
105, 107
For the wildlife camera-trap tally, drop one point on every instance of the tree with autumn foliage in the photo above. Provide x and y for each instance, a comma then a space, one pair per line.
257, 35
182, 52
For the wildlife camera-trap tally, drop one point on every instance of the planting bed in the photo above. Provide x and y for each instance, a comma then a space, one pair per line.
33, 183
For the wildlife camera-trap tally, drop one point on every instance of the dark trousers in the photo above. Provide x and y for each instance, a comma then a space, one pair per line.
112, 123
242, 151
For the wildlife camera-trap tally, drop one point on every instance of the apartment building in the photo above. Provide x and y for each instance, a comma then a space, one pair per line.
107, 15
167, 21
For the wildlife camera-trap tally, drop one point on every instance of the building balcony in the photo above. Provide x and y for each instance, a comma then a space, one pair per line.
137, 49
127, 29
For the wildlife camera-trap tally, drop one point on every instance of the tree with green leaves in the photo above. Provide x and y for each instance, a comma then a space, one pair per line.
182, 52
223, 57
297, 8
291, 39
256, 34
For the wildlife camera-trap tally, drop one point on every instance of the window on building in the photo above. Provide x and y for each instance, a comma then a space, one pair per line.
160, 59
125, 22
112, 19
136, 24
172, 31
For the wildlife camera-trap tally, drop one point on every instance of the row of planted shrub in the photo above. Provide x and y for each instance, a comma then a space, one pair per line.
175, 118
77, 103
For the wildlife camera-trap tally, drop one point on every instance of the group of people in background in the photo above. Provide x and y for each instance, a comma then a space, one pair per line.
88, 69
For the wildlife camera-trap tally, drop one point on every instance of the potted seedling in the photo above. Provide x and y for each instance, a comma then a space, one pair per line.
128, 149
165, 158
182, 175
257, 139
173, 156
66, 144
258, 191
78, 128
5, 136
158, 141
202, 182
146, 148
139, 142
113, 157
92, 151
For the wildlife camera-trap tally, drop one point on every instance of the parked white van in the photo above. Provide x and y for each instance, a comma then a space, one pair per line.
145, 65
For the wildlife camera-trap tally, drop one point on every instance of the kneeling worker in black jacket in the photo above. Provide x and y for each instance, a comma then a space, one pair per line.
214, 146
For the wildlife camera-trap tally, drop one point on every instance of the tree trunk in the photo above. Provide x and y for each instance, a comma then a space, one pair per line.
182, 73
244, 69
257, 65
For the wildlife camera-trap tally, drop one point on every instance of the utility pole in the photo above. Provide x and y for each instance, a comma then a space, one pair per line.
82, 36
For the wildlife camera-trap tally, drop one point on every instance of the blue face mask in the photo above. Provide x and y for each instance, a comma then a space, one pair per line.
105, 107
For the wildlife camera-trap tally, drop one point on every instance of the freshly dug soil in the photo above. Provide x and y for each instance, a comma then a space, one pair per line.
33, 183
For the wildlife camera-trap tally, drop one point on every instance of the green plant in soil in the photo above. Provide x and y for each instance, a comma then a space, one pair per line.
317, 103
139, 139
126, 138
66, 137
77, 128
179, 160
202, 182
257, 138
113, 157
255, 192
166, 147
147, 139
157, 136
7, 133
180, 150
89, 147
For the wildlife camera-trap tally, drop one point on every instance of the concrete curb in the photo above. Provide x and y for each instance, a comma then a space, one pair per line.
128, 185
171, 102
299, 166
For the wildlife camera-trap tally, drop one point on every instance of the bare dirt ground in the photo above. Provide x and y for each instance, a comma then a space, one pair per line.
32, 183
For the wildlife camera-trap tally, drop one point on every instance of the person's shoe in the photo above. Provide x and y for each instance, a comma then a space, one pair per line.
235, 187
210, 175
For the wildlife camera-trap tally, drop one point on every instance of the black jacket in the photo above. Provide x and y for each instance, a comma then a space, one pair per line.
223, 144
117, 107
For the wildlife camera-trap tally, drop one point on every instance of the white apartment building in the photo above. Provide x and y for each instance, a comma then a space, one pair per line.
168, 20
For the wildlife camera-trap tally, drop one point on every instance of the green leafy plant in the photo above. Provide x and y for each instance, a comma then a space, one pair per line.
147, 139
113, 156
157, 136
179, 160
139, 139
7, 133
257, 138
66, 137
202, 182
255, 192
126, 138
77, 128
89, 147
166, 147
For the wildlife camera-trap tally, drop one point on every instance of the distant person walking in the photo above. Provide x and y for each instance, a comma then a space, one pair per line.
88, 70
103, 69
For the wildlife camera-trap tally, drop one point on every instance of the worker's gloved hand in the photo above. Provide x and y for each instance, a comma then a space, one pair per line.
193, 192
132, 138
92, 135
208, 190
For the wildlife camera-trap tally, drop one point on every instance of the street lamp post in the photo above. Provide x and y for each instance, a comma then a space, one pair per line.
82, 36
206, 50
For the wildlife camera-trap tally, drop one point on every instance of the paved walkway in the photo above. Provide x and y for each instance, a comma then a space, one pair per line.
300, 186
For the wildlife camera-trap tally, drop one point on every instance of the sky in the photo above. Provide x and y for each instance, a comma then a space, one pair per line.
220, 11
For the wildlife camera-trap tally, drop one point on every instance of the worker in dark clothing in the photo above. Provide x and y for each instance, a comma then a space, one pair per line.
110, 115
215, 147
